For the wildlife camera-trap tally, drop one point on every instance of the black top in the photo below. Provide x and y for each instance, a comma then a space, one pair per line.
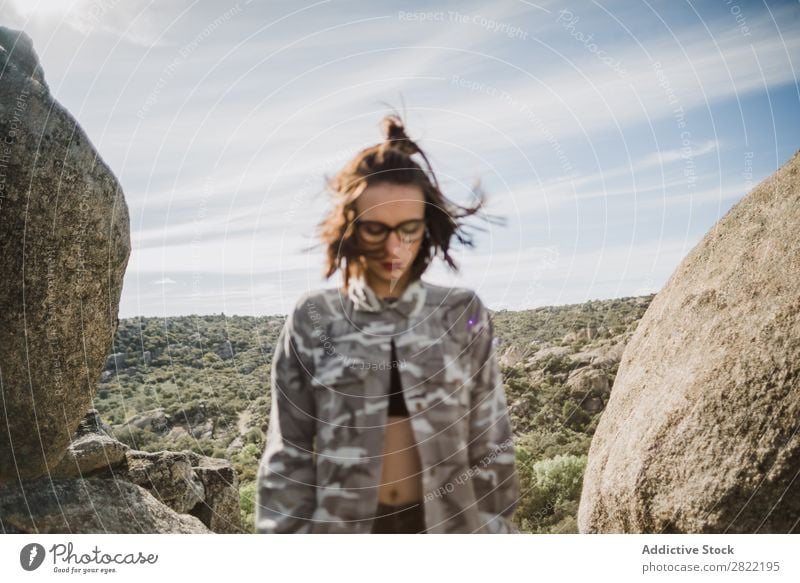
397, 405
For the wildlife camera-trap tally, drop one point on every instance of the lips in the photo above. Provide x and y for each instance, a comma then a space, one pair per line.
390, 266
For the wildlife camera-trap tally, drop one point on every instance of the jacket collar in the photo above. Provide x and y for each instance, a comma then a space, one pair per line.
364, 298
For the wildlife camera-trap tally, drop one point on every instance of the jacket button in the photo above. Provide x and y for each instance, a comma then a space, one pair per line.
419, 406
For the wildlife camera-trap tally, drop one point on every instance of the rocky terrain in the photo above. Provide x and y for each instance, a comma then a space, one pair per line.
64, 247
669, 413
701, 431
200, 383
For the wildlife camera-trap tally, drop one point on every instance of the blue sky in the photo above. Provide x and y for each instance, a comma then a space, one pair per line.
610, 135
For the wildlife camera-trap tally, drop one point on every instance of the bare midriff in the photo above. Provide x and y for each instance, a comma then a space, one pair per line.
401, 478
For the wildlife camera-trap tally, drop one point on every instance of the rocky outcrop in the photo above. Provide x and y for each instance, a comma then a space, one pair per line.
512, 356
93, 505
155, 420
64, 246
186, 482
701, 430
192, 421
64, 218
220, 509
590, 387
541, 358
90, 424
89, 453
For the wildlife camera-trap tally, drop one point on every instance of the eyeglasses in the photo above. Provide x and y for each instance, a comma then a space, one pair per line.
374, 232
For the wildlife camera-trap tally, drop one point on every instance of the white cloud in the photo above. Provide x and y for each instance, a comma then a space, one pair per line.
667, 156
222, 173
139, 22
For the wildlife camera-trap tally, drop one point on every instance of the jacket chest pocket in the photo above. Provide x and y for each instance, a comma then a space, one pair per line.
350, 353
345, 373
433, 375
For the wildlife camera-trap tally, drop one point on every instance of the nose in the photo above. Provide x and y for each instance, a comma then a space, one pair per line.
393, 244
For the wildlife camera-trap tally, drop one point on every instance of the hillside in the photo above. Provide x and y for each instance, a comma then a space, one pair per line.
201, 383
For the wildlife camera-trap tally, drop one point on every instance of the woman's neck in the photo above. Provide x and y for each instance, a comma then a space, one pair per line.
388, 289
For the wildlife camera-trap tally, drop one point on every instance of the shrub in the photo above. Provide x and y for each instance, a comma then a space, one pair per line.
255, 435
251, 450
247, 505
550, 492
560, 477
135, 437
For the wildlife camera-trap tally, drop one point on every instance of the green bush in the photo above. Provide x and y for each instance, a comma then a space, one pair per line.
574, 416
550, 491
136, 438
251, 450
247, 505
255, 436
560, 477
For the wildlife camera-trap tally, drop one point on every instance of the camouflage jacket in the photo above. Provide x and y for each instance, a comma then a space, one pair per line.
321, 468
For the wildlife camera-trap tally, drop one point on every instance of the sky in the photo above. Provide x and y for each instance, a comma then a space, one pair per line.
610, 136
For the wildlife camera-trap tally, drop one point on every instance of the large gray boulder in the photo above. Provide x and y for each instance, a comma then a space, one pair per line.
220, 509
186, 482
89, 453
64, 246
700, 434
93, 505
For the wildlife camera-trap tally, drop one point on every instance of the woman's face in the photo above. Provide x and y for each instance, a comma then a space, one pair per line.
391, 204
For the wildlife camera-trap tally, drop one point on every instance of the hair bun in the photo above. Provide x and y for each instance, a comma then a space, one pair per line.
394, 133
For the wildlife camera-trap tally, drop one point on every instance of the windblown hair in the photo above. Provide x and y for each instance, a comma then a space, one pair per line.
392, 161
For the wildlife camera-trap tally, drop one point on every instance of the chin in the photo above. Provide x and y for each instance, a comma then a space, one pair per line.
388, 276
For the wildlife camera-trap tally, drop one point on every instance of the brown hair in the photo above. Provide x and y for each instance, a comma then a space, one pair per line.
391, 161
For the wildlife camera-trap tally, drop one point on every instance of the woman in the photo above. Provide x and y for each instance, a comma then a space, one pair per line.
388, 409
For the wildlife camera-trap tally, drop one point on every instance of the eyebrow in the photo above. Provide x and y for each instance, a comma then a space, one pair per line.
388, 225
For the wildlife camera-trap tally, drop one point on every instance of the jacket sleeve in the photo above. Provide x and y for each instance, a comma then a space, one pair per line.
491, 446
286, 479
